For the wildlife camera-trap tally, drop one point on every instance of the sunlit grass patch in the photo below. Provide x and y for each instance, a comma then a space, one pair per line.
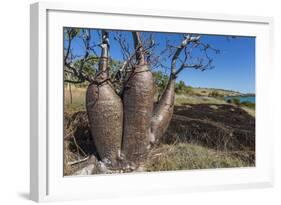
74, 99
193, 99
185, 156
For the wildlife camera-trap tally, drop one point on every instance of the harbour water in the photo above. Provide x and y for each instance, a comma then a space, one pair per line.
251, 99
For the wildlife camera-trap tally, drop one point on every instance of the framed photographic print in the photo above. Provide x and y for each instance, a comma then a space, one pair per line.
127, 102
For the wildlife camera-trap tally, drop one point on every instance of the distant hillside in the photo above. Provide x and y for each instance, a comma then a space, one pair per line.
208, 91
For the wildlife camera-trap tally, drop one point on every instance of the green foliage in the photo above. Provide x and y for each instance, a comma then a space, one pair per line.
114, 67
236, 101
248, 104
90, 68
215, 94
161, 80
228, 101
70, 33
181, 88
90, 65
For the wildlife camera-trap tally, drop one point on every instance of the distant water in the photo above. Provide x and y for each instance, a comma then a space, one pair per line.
251, 99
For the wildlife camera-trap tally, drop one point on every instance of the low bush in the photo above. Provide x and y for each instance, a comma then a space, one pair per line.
236, 101
215, 94
181, 88
249, 104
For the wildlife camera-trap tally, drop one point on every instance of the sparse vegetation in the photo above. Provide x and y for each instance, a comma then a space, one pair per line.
78, 99
235, 101
184, 146
215, 94
207, 91
127, 127
248, 104
184, 156
195, 99
181, 88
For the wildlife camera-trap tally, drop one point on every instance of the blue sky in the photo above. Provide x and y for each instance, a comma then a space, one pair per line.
234, 66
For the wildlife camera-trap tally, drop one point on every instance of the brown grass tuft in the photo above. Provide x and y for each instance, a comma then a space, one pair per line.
188, 156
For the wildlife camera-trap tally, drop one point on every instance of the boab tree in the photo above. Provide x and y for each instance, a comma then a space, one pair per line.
124, 120
105, 110
138, 106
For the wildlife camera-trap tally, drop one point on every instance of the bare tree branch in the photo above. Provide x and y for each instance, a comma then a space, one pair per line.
78, 161
188, 39
73, 82
77, 71
182, 57
130, 57
125, 49
139, 48
68, 32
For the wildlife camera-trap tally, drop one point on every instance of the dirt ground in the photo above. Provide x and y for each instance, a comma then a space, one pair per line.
225, 128
222, 127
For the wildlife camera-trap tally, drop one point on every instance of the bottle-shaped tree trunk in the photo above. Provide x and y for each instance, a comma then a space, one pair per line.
105, 111
138, 106
163, 112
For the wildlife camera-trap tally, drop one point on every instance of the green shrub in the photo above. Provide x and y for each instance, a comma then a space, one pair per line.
229, 101
249, 104
236, 101
181, 88
215, 94
160, 80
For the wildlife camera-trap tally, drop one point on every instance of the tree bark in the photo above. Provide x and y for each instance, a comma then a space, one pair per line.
138, 106
105, 111
163, 112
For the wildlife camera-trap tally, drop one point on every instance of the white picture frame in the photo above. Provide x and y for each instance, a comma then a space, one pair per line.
46, 101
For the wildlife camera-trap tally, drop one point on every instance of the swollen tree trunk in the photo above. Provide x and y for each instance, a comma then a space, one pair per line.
138, 106
163, 112
105, 111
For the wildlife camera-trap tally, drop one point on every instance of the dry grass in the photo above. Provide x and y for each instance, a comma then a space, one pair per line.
78, 99
177, 154
207, 91
193, 99
182, 99
69, 156
174, 156
185, 156
250, 111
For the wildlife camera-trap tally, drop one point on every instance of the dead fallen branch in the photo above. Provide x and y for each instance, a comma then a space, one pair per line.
78, 161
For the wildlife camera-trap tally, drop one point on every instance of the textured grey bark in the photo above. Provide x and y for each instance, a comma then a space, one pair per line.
105, 111
138, 106
163, 112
